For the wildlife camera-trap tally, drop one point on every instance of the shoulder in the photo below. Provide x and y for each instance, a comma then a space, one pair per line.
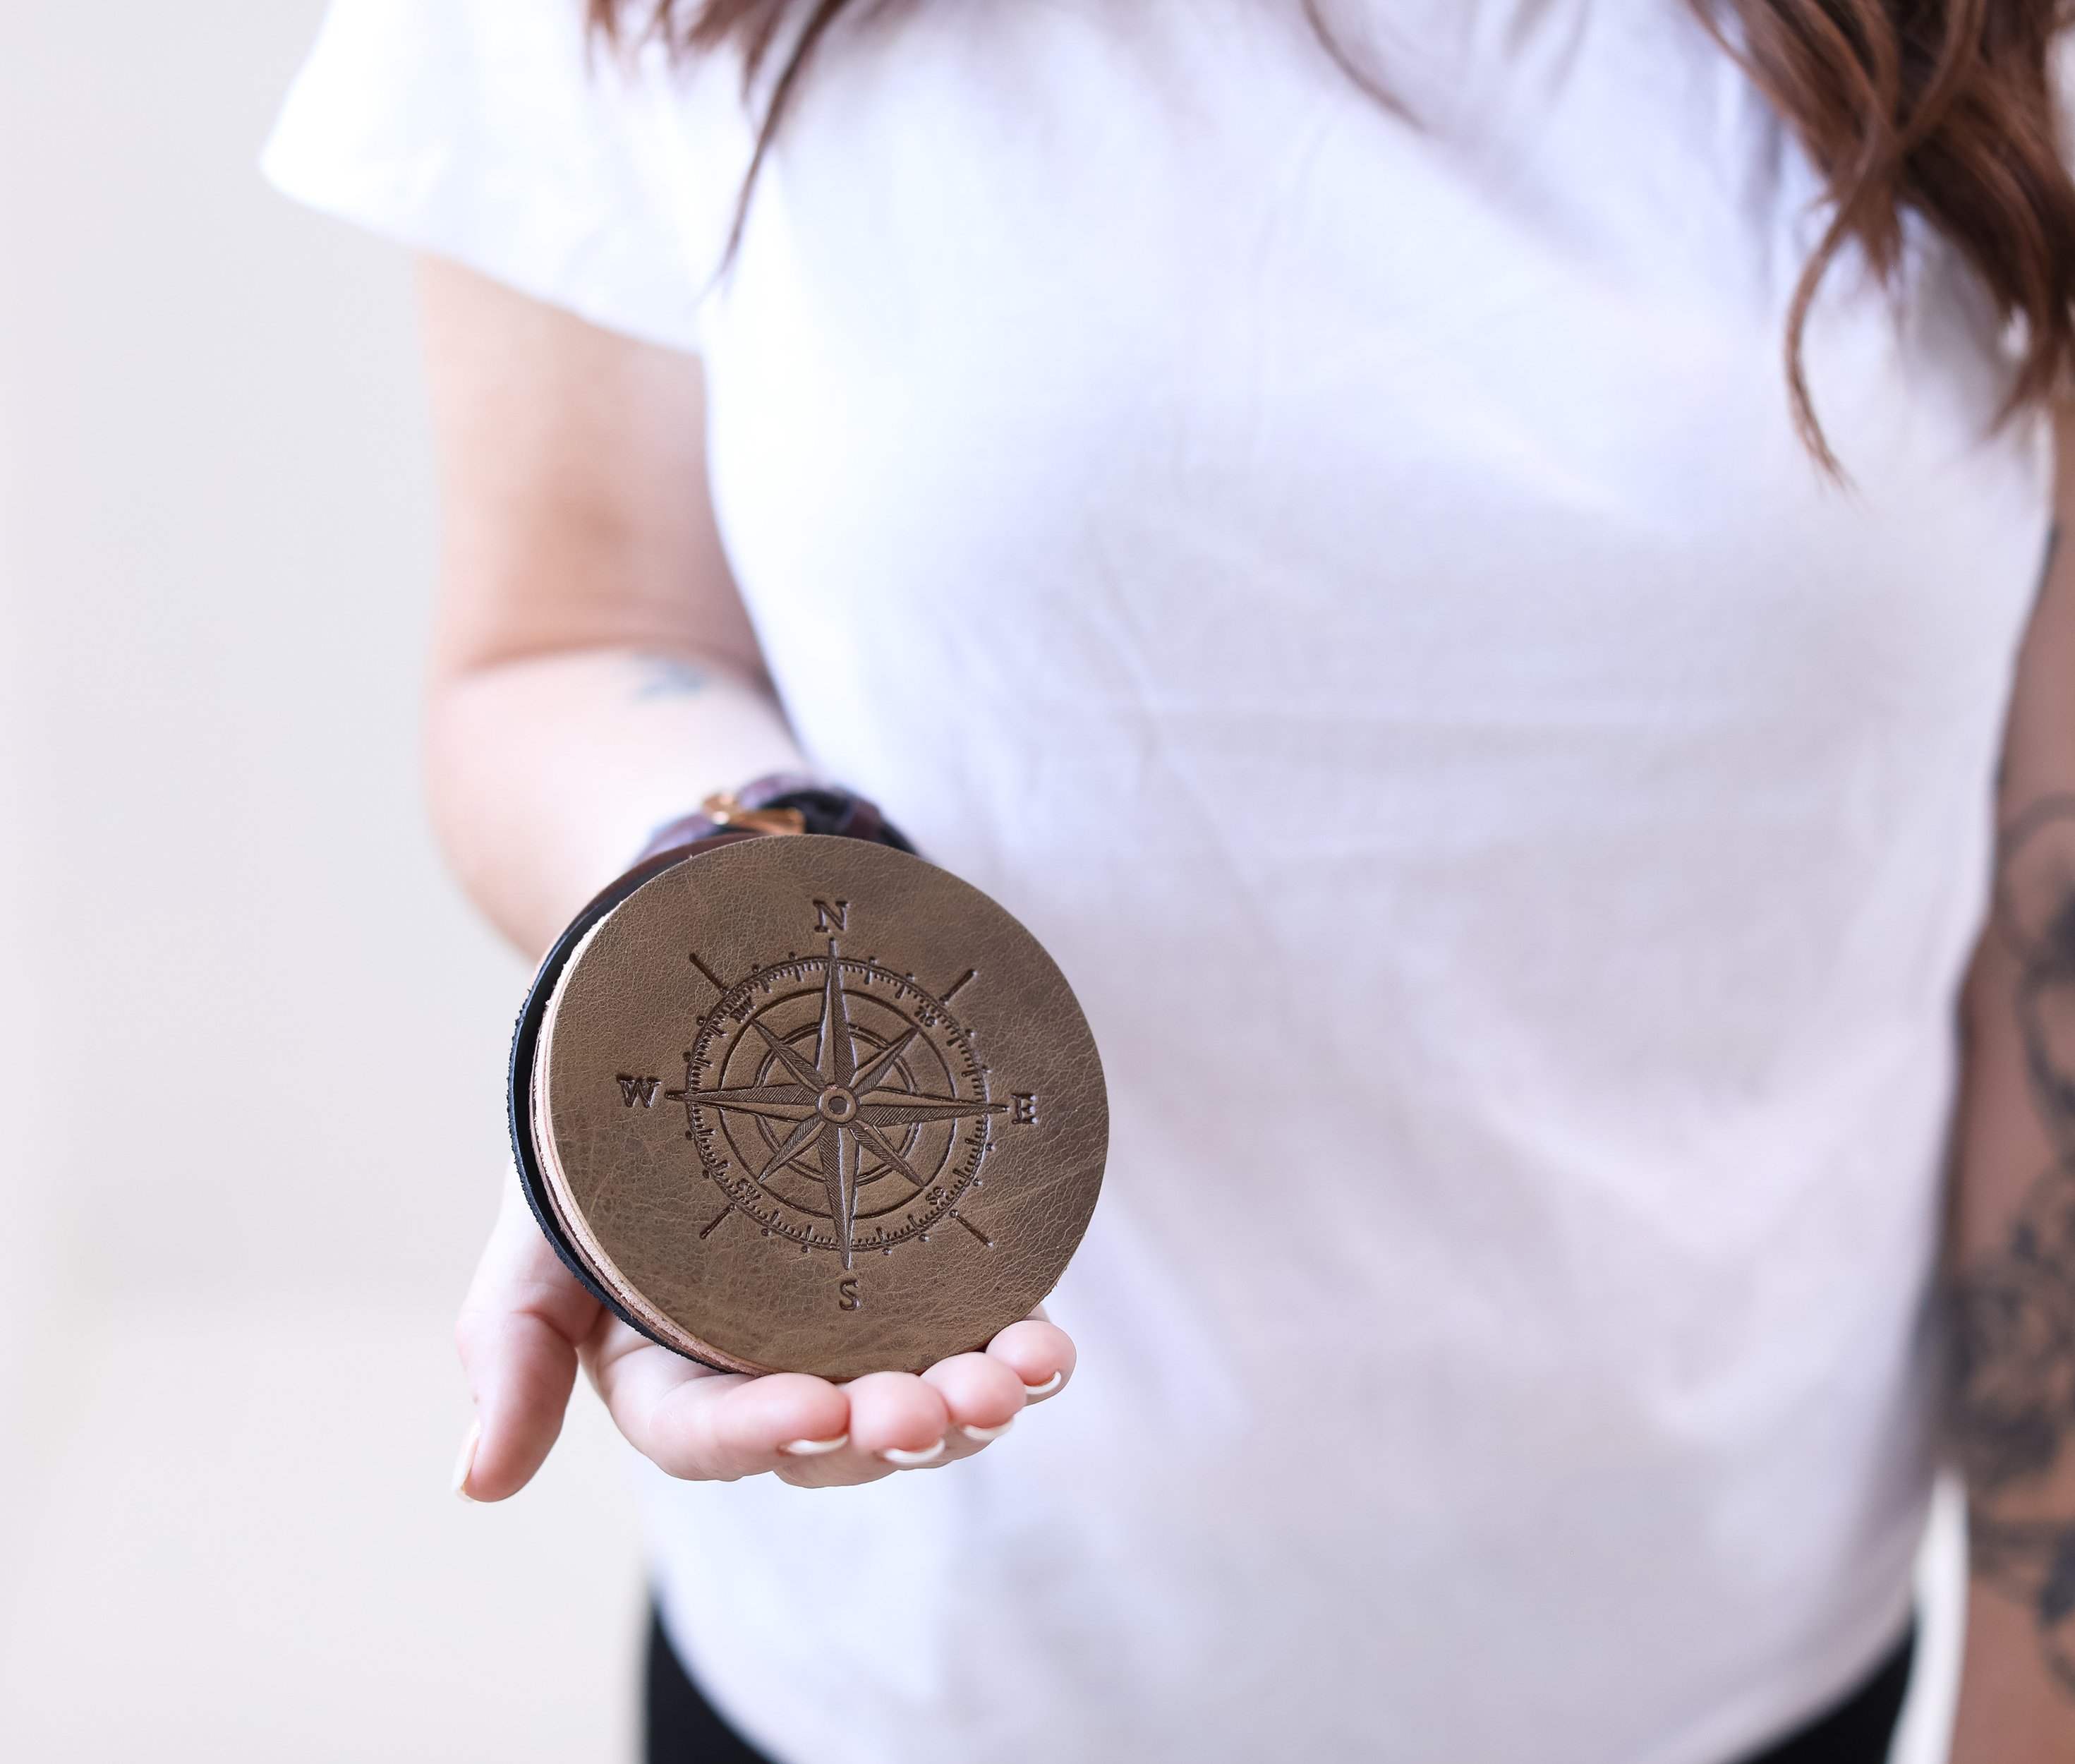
501, 134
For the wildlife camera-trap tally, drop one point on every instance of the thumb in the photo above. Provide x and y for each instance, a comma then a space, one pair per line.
517, 1334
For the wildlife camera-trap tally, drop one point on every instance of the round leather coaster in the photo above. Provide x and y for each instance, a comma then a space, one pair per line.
811, 1104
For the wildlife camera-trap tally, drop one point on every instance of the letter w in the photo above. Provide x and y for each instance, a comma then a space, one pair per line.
640, 1090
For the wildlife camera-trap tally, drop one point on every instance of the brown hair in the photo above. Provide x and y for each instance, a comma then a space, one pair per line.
1944, 108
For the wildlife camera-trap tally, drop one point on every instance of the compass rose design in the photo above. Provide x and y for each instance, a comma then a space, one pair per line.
839, 1105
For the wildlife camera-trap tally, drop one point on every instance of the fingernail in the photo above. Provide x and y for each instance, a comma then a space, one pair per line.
815, 1448
986, 1436
913, 1460
465, 1464
1039, 1393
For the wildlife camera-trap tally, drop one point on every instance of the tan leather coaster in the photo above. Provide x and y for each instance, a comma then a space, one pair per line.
813, 1104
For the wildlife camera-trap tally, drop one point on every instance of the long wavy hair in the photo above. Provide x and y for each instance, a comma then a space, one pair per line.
1944, 108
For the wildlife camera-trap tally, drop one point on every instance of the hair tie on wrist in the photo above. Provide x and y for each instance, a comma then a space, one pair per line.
782, 804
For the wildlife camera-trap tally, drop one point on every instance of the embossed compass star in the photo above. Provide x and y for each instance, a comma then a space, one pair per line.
837, 1108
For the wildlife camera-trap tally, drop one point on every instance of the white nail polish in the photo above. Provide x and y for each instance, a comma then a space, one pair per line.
1039, 1393
912, 1461
982, 1436
815, 1448
465, 1464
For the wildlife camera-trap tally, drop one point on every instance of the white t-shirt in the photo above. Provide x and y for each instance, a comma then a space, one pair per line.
1355, 591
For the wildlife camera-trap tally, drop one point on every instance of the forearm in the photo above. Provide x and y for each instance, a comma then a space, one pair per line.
2012, 1246
594, 673
2014, 1377
548, 773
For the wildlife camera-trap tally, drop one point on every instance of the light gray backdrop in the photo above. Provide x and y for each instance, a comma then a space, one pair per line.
250, 1066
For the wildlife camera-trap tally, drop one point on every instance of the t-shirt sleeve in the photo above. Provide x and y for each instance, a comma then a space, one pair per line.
492, 132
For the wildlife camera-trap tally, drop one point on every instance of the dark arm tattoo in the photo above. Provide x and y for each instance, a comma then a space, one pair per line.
2013, 1408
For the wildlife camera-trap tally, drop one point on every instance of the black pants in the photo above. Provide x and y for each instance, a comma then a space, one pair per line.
683, 1729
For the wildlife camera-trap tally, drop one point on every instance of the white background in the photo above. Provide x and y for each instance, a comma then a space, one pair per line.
252, 1051
251, 1064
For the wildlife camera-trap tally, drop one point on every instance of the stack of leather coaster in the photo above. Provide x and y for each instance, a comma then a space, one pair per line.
807, 1103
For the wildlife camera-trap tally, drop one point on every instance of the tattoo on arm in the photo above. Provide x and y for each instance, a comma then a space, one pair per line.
2013, 1406
666, 677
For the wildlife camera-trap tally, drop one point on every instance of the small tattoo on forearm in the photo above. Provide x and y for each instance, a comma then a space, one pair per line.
2013, 1407
667, 676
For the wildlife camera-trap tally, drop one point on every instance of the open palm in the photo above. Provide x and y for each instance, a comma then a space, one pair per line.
527, 1325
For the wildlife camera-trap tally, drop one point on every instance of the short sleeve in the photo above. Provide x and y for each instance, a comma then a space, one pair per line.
492, 132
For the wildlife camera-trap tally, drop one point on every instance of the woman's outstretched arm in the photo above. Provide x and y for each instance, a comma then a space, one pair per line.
2012, 1245
595, 676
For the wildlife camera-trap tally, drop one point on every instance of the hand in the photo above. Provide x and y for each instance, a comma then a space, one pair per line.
526, 1325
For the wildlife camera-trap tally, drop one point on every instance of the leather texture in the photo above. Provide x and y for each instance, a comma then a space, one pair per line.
809, 1104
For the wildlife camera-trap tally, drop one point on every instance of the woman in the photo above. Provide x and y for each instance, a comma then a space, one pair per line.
1304, 507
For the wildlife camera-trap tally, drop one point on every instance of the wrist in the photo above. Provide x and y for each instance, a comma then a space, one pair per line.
780, 804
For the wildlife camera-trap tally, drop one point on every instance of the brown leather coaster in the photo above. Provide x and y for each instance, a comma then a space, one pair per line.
810, 1104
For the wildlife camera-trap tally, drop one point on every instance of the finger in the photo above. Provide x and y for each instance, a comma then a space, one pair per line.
897, 1419
845, 1468
981, 1395
714, 1426
1040, 1353
517, 1334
